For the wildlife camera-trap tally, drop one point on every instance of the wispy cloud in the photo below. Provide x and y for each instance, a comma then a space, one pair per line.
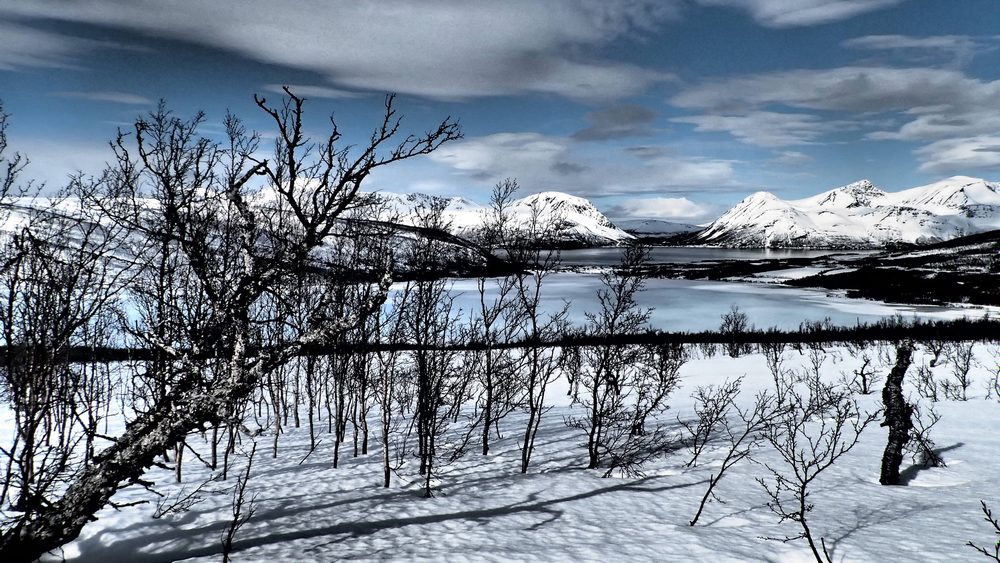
791, 158
948, 156
851, 89
617, 122
800, 13
24, 46
313, 91
932, 104
953, 50
445, 49
679, 209
107, 96
767, 128
53, 160
543, 162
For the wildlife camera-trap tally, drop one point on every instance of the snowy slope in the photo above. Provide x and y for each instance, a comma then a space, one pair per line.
486, 510
654, 227
861, 215
569, 219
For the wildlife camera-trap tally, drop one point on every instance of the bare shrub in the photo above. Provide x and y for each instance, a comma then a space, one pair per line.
809, 436
927, 385
921, 446
711, 407
735, 323
244, 506
741, 435
865, 377
993, 552
961, 358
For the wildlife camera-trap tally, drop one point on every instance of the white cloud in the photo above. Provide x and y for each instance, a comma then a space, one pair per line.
107, 96
961, 155
932, 104
679, 209
439, 48
956, 50
851, 89
798, 13
24, 46
542, 162
767, 128
792, 158
52, 161
312, 91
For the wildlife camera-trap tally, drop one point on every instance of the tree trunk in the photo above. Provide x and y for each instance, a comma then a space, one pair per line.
117, 466
898, 416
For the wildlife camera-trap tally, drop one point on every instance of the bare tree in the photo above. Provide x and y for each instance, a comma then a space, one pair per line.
496, 321
993, 383
56, 292
540, 364
238, 245
734, 324
809, 436
921, 445
926, 383
430, 318
624, 383
865, 376
961, 357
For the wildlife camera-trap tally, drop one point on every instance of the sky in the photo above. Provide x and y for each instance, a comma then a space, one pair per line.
668, 109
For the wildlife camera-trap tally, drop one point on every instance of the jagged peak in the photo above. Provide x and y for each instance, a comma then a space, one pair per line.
860, 214
556, 198
760, 196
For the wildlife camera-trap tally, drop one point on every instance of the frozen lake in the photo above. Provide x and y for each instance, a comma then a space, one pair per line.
688, 254
693, 305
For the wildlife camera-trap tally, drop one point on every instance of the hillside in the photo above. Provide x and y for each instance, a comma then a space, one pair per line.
568, 220
860, 215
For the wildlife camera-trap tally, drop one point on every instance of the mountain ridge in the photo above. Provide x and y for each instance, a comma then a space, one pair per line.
860, 215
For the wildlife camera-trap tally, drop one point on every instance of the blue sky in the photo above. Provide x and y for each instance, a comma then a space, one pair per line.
672, 108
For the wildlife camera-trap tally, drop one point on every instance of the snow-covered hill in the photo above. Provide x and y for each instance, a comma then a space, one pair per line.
861, 215
567, 219
655, 227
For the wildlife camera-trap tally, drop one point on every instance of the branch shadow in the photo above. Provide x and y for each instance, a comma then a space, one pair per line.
911, 472
866, 518
93, 548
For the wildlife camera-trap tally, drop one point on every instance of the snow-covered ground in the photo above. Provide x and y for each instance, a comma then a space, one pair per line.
485, 510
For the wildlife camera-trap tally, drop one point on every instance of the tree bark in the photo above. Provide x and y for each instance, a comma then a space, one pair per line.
117, 466
898, 416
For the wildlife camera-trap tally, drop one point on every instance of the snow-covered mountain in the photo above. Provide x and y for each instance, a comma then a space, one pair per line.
861, 215
655, 227
566, 219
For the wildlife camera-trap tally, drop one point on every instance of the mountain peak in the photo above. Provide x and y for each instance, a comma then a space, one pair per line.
856, 194
861, 215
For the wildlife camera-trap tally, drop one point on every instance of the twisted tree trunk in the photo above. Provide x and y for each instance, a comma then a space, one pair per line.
898, 416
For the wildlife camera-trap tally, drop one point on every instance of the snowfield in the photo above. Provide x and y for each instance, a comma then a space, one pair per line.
485, 510
861, 215
572, 219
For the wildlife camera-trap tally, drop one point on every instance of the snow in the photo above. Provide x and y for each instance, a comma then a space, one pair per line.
574, 218
778, 276
485, 510
860, 214
655, 227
